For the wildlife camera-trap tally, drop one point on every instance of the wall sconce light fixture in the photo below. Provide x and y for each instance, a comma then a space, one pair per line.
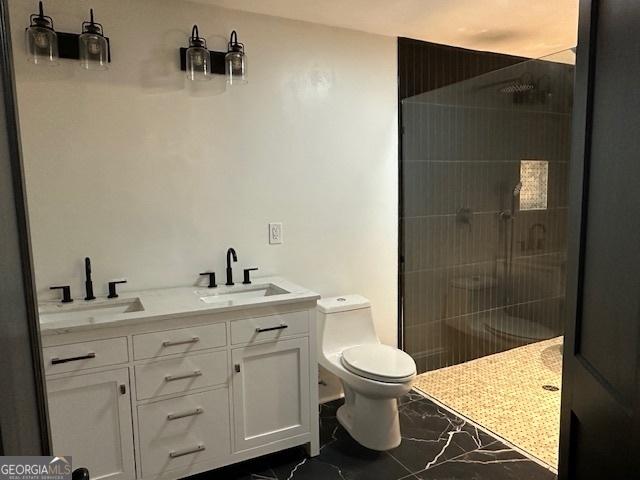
198, 59
200, 63
93, 46
45, 45
235, 61
42, 40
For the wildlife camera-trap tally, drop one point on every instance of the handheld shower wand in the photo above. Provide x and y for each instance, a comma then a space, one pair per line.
515, 205
515, 194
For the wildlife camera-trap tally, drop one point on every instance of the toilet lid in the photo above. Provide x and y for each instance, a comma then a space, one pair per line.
379, 362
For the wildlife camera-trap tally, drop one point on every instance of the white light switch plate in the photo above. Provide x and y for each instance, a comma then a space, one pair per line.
275, 233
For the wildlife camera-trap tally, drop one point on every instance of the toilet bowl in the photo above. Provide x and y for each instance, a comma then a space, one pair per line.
373, 375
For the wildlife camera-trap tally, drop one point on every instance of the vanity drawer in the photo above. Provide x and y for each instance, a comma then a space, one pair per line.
181, 431
181, 374
183, 340
269, 328
79, 356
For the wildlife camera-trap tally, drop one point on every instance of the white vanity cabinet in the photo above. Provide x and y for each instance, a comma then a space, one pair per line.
90, 418
270, 392
178, 396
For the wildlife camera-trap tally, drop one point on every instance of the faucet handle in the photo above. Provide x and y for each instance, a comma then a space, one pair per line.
66, 293
112, 288
212, 279
247, 275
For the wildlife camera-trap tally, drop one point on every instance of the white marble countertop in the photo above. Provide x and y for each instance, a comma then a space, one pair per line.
162, 304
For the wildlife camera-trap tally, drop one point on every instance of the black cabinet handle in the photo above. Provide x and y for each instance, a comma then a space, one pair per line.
56, 361
112, 288
269, 329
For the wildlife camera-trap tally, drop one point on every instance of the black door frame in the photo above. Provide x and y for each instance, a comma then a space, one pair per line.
24, 426
578, 192
575, 367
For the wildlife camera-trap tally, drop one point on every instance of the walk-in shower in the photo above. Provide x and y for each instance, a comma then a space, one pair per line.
484, 169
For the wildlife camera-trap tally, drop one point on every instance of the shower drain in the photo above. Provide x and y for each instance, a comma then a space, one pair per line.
550, 388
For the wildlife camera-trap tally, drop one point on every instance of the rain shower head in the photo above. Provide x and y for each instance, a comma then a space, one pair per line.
524, 83
517, 87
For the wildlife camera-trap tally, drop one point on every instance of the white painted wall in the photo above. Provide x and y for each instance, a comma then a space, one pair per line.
154, 180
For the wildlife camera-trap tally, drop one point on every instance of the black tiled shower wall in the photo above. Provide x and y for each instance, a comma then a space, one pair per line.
462, 263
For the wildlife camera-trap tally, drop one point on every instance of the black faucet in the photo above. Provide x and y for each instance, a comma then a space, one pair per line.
230, 253
88, 284
66, 293
247, 275
112, 288
212, 278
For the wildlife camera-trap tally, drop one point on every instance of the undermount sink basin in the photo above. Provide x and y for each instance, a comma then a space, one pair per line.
239, 293
89, 311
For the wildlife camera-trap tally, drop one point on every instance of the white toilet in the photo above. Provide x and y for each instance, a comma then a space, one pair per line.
373, 375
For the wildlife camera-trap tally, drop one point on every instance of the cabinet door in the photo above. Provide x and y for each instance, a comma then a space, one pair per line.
90, 419
271, 392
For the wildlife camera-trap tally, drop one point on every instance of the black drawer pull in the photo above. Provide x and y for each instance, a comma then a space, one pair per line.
269, 329
182, 376
181, 453
170, 343
191, 413
56, 360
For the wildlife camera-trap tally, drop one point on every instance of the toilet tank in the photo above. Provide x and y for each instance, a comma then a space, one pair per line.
344, 321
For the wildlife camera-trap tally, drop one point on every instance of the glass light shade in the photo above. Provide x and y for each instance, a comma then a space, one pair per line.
198, 63
236, 67
94, 51
42, 45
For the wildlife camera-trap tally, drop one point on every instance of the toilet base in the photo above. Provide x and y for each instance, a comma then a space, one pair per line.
372, 422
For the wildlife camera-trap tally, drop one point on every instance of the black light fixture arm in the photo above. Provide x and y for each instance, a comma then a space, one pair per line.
91, 26
234, 45
196, 40
40, 19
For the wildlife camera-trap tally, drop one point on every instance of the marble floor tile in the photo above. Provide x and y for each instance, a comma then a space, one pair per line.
431, 435
493, 462
436, 444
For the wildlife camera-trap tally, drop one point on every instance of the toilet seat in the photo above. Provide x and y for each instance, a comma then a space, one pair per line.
379, 362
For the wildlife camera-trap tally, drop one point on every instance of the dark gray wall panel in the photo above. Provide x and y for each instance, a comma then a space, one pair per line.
23, 420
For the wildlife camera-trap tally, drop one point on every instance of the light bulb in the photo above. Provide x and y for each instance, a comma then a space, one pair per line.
93, 46
41, 40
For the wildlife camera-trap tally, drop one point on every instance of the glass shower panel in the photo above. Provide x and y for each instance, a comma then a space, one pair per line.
484, 212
